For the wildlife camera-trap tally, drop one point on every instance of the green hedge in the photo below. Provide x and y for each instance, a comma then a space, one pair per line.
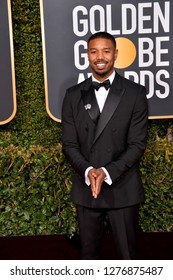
157, 175
36, 181
35, 185
35, 178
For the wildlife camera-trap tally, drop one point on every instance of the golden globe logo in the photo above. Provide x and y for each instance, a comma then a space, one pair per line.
143, 33
126, 53
147, 25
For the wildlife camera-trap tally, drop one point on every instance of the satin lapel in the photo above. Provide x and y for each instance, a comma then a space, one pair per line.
110, 106
90, 101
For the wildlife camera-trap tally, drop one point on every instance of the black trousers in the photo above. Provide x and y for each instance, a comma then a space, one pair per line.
124, 226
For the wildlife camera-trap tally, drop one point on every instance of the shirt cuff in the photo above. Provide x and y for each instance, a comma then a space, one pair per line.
87, 181
107, 179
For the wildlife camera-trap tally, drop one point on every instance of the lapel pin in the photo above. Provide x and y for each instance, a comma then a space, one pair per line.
87, 106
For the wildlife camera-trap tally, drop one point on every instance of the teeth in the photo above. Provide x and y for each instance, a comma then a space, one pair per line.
100, 64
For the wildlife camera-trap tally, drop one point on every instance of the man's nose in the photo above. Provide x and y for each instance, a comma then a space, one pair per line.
100, 55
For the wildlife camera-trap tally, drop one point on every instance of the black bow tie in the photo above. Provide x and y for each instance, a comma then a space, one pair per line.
105, 84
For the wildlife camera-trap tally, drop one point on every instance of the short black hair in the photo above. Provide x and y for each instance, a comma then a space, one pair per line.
104, 35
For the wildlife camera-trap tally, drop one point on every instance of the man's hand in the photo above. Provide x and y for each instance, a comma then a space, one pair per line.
92, 178
96, 177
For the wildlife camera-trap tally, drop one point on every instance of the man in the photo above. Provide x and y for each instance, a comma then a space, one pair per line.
104, 134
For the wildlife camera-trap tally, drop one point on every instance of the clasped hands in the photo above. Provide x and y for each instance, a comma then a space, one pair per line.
96, 177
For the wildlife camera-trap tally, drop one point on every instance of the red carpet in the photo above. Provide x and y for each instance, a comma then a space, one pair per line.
154, 246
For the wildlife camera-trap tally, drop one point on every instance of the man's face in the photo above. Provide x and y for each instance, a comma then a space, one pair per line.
101, 55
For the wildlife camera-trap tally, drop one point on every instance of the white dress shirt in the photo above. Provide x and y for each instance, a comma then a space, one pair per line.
102, 93
101, 96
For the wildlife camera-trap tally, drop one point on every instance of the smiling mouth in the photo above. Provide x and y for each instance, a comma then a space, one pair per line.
100, 65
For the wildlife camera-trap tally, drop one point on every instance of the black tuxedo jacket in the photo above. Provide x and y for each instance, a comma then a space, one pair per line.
115, 140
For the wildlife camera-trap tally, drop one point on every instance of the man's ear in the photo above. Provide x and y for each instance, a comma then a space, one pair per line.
116, 54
